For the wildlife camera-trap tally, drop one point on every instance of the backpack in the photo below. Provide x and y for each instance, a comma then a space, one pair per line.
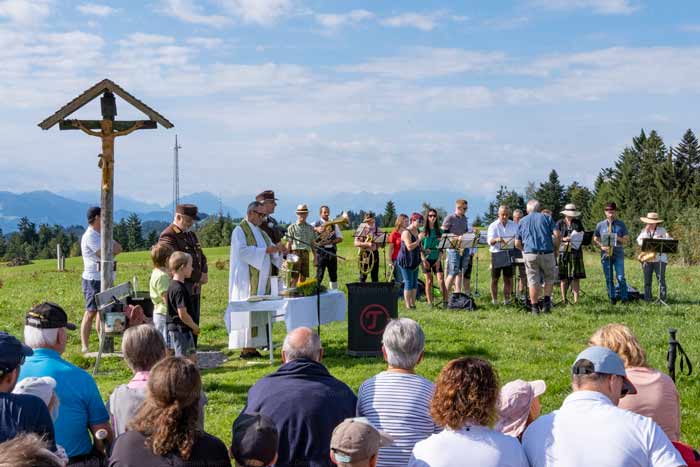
461, 301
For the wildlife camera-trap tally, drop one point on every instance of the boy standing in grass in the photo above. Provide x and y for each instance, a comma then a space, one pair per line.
181, 326
158, 290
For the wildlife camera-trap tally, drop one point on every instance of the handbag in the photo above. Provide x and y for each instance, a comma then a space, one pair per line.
461, 301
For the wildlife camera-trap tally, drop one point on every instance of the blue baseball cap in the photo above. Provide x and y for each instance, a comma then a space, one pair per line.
604, 361
12, 352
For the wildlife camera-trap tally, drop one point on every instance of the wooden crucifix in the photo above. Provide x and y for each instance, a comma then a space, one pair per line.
107, 130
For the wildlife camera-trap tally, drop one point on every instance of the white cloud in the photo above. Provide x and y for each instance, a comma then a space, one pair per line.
423, 22
337, 20
206, 42
190, 12
690, 28
96, 9
139, 39
603, 7
25, 12
503, 24
425, 62
263, 12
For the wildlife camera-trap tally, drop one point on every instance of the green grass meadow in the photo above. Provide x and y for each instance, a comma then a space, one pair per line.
518, 344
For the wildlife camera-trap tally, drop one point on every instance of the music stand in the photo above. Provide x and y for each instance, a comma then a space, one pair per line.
660, 246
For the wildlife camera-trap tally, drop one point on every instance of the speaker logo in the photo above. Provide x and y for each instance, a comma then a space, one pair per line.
374, 318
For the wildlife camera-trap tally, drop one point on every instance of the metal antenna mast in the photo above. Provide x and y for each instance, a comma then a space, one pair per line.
176, 175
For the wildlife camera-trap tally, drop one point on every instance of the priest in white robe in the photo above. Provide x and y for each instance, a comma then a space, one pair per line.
252, 254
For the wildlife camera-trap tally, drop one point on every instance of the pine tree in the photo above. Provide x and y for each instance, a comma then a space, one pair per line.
688, 169
120, 234
550, 194
626, 188
581, 196
504, 197
652, 154
389, 216
2, 244
602, 194
27, 230
666, 189
134, 233
152, 238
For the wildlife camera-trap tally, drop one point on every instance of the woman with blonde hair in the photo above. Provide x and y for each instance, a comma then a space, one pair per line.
465, 405
657, 396
165, 431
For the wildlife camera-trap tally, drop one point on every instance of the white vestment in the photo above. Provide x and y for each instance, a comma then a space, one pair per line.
248, 329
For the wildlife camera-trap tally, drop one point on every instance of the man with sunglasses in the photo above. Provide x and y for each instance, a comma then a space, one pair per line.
590, 430
253, 253
20, 413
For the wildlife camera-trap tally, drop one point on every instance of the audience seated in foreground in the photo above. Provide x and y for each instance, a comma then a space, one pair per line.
20, 413
397, 401
27, 450
165, 430
519, 405
254, 441
303, 400
657, 396
82, 409
589, 428
355, 443
142, 347
465, 405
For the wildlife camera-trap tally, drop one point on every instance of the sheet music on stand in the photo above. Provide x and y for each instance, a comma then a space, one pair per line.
608, 239
378, 239
660, 245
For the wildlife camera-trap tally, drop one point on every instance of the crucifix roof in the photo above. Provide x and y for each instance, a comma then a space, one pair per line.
96, 91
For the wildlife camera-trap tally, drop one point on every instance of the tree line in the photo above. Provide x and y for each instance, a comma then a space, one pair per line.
647, 176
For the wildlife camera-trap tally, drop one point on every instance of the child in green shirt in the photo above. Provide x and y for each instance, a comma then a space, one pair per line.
158, 289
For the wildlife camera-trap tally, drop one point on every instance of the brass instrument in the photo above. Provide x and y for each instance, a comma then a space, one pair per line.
325, 236
645, 256
365, 257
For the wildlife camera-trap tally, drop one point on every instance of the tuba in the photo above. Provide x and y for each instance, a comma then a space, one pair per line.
326, 235
365, 257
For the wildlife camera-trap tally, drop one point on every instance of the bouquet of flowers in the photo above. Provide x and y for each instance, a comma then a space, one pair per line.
306, 288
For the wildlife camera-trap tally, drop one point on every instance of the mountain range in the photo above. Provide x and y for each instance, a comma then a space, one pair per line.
69, 208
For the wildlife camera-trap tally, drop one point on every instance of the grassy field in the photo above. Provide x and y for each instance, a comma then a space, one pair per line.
518, 344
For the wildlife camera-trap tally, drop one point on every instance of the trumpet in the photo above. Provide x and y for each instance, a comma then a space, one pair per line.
325, 235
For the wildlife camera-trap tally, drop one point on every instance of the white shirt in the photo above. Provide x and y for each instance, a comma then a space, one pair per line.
338, 234
89, 247
660, 232
589, 430
476, 446
398, 404
506, 232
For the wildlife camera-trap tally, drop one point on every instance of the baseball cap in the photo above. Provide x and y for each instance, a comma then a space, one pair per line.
514, 404
42, 387
604, 361
254, 440
355, 439
48, 315
93, 212
12, 352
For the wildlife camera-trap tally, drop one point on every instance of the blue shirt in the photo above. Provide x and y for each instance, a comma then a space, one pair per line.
617, 227
23, 413
81, 403
535, 232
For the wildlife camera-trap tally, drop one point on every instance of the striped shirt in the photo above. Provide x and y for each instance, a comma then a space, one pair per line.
398, 404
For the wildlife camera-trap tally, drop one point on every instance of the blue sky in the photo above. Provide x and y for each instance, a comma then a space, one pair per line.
311, 96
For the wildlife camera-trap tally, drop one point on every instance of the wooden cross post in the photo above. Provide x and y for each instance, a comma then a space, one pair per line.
107, 130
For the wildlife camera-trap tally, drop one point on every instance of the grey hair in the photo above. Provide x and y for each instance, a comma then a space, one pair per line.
142, 347
252, 206
518, 211
504, 207
533, 206
27, 450
37, 338
311, 348
404, 342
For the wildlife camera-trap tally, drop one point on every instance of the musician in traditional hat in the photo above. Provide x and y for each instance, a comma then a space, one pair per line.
269, 224
653, 263
300, 240
501, 237
179, 237
366, 242
613, 257
571, 267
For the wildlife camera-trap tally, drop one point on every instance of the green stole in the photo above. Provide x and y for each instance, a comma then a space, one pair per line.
253, 272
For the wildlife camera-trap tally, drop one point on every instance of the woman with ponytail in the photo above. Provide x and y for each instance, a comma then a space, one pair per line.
165, 431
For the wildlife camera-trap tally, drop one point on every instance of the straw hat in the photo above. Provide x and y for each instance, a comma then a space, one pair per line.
302, 209
651, 218
570, 210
